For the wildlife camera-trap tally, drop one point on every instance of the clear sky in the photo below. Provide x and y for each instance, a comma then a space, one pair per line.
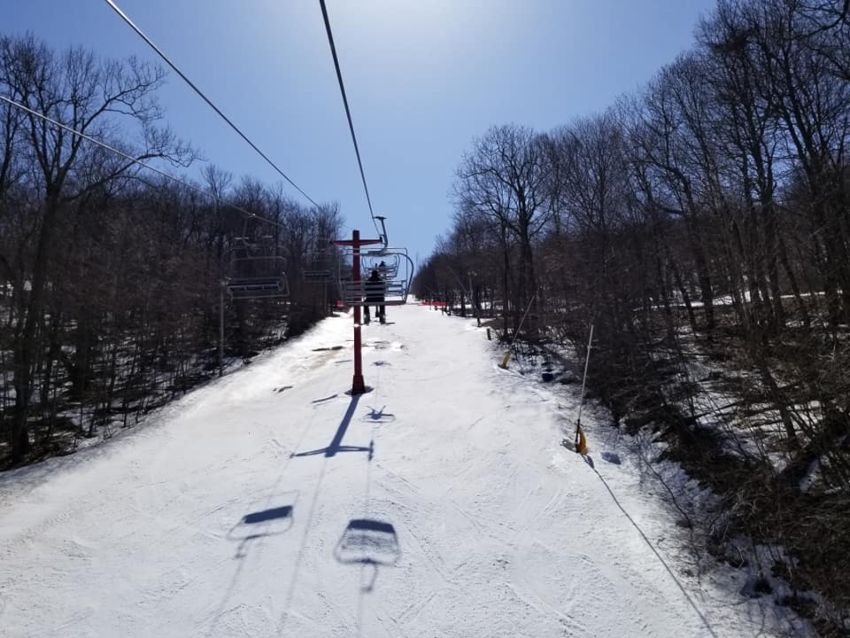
423, 77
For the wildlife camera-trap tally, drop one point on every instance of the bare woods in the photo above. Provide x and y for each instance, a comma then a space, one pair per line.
703, 226
110, 275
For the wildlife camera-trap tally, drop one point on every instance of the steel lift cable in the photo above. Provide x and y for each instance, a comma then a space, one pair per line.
195, 88
135, 160
348, 115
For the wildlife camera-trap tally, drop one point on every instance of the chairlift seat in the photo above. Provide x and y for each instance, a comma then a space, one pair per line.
257, 288
317, 274
359, 293
397, 275
386, 261
318, 267
260, 277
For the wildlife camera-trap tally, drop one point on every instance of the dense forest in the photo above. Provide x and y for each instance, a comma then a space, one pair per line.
113, 295
702, 226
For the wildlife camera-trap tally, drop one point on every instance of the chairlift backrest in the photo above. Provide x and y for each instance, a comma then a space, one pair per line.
256, 276
394, 278
387, 264
317, 267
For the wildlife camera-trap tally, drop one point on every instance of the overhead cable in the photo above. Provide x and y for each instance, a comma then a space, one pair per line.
347, 109
134, 160
218, 111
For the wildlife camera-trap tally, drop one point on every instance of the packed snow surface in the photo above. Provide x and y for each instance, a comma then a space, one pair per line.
270, 503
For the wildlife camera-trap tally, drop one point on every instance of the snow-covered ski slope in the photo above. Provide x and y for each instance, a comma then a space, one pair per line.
269, 503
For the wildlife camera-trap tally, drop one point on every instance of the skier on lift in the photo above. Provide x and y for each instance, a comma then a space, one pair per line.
375, 288
383, 271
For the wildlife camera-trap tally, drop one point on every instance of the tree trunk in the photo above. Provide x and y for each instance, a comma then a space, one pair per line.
25, 355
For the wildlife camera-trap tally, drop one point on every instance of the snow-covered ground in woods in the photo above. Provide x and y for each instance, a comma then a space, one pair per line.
269, 503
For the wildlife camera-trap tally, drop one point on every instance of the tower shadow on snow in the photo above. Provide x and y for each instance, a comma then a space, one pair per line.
336, 446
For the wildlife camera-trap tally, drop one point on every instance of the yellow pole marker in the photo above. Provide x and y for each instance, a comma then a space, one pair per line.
581, 442
505, 359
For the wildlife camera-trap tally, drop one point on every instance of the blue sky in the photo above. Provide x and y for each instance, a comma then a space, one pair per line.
424, 77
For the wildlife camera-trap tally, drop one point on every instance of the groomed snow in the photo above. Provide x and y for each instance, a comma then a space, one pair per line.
439, 504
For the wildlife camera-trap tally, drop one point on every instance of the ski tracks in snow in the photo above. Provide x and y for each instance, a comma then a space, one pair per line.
228, 517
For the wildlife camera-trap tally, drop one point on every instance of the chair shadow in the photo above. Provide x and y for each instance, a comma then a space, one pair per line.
268, 515
368, 542
274, 521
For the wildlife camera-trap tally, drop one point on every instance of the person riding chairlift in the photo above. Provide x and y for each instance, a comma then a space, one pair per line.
383, 272
375, 289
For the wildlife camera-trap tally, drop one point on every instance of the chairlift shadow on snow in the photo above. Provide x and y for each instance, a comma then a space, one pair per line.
368, 542
273, 521
336, 446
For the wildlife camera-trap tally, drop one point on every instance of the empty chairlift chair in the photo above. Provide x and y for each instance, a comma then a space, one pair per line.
256, 276
317, 267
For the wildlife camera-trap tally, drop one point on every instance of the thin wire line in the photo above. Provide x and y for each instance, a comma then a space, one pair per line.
134, 160
347, 109
656, 552
161, 54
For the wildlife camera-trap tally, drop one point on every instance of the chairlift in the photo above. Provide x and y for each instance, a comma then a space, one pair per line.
255, 276
318, 267
387, 265
396, 276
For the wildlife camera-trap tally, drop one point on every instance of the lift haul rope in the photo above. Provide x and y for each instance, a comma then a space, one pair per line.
348, 114
203, 96
137, 161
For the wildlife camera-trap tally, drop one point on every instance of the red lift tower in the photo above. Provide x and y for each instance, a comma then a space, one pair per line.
358, 386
